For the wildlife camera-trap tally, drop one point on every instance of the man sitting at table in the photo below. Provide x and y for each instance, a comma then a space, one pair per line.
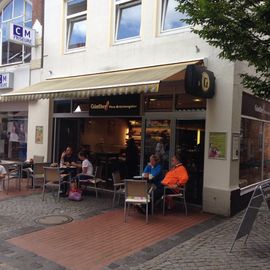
176, 177
67, 157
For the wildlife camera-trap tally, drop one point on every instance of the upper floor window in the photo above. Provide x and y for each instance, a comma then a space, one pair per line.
76, 24
19, 12
171, 18
128, 19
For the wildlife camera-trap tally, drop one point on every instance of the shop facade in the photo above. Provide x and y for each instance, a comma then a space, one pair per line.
105, 60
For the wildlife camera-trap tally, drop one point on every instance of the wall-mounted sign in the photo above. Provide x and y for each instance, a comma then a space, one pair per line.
6, 80
255, 107
217, 145
22, 35
39, 135
114, 105
199, 81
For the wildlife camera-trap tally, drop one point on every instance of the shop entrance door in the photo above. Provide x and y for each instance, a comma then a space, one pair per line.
66, 134
189, 139
157, 141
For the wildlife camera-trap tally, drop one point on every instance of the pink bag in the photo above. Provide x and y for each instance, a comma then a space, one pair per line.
75, 195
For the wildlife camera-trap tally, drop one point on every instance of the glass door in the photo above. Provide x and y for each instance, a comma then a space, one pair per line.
189, 140
157, 141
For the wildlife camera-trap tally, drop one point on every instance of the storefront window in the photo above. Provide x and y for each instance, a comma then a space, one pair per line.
13, 140
128, 20
171, 18
76, 24
157, 141
251, 152
185, 101
19, 12
157, 103
62, 106
266, 167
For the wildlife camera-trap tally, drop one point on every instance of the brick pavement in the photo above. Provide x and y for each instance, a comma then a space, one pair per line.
204, 246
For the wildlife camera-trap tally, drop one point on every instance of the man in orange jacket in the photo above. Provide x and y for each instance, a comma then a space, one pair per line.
177, 175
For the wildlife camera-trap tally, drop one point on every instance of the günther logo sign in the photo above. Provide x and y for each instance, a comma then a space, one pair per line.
6, 80
22, 35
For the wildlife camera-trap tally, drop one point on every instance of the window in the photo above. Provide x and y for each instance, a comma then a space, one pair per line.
19, 12
128, 20
76, 24
171, 18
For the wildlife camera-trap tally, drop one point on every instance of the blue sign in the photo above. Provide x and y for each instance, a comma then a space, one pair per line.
22, 35
6, 80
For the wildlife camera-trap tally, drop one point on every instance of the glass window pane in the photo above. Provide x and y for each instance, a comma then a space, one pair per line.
158, 103
28, 12
77, 33
129, 21
185, 101
250, 152
172, 18
157, 141
15, 53
27, 54
62, 106
28, 24
4, 52
4, 32
18, 8
7, 12
266, 169
75, 6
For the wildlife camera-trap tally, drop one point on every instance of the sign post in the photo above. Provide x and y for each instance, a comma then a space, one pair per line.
260, 194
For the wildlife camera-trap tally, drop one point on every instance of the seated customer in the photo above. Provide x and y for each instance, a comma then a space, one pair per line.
67, 157
177, 176
3, 173
153, 172
87, 167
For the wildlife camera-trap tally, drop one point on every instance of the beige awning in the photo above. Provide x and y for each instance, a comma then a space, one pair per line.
101, 84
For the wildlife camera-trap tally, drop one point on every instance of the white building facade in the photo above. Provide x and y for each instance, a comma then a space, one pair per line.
86, 37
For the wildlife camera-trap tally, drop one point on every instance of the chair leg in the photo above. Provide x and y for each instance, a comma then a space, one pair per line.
43, 192
152, 203
185, 204
125, 212
146, 214
7, 186
163, 203
114, 194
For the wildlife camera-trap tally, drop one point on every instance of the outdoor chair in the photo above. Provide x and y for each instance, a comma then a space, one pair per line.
118, 186
169, 193
92, 181
13, 174
53, 179
36, 174
136, 192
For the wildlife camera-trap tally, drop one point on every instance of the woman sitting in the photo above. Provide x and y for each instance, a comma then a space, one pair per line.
87, 167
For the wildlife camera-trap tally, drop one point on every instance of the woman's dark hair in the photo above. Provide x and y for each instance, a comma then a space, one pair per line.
82, 154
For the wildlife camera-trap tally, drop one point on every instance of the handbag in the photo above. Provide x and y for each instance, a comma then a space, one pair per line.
75, 195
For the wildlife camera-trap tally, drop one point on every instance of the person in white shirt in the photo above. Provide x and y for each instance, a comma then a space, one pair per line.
3, 173
87, 167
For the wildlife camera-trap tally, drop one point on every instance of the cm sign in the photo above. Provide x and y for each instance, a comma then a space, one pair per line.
22, 35
6, 80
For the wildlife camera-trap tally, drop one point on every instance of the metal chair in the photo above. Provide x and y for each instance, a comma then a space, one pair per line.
179, 195
118, 186
37, 173
136, 192
14, 173
38, 159
52, 179
92, 181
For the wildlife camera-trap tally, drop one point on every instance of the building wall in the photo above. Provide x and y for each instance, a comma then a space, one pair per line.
101, 54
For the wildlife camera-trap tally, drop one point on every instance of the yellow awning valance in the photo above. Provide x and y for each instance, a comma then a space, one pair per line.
100, 84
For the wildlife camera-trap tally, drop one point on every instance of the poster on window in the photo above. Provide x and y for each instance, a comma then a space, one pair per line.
17, 131
217, 145
39, 135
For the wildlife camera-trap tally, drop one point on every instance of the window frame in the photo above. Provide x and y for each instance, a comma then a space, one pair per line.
163, 12
118, 6
23, 16
68, 22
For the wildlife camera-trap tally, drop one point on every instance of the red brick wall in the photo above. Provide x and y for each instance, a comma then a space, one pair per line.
38, 10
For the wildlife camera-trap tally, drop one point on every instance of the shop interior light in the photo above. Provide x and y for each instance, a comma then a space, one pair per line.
197, 100
78, 109
198, 136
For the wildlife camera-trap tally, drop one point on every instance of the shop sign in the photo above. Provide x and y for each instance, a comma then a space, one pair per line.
255, 107
123, 105
199, 81
22, 35
6, 80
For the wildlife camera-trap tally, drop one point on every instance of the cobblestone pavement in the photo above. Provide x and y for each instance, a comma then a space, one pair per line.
205, 246
209, 250
17, 217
